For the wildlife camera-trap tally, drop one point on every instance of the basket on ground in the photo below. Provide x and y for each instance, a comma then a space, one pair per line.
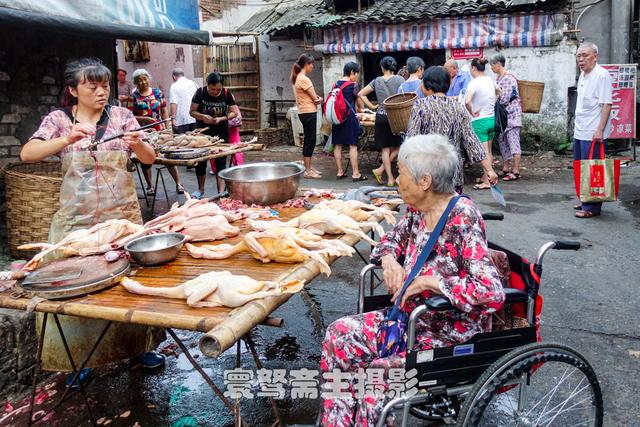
530, 95
33, 192
398, 108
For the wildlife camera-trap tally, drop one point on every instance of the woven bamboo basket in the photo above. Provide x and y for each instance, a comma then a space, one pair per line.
398, 108
33, 192
530, 95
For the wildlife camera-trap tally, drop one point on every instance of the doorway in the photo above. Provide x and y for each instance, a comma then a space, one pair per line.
371, 61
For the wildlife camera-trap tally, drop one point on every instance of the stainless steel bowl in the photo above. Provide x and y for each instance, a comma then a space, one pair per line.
155, 249
263, 183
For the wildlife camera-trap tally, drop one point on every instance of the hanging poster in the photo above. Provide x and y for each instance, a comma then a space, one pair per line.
623, 109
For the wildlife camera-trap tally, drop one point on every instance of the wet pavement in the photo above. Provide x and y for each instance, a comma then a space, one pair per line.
591, 304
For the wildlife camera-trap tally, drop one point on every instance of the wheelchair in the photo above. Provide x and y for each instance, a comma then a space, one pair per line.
500, 378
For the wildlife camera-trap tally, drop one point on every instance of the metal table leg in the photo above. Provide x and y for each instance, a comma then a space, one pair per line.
144, 193
160, 176
233, 408
249, 341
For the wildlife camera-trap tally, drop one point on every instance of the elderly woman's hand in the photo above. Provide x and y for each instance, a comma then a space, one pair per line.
418, 286
392, 273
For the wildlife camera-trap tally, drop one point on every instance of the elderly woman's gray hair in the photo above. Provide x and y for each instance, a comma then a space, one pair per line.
414, 63
497, 57
431, 155
139, 73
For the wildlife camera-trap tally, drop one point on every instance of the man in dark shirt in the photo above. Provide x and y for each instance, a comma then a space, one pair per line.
211, 107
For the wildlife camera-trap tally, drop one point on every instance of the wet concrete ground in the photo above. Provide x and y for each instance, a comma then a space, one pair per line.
591, 304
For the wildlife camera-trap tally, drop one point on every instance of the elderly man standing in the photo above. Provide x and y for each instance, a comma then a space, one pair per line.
180, 95
459, 79
592, 114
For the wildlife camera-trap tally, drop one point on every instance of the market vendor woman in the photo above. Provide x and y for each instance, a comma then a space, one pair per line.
96, 187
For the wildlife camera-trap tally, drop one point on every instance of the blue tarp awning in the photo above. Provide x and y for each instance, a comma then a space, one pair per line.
167, 21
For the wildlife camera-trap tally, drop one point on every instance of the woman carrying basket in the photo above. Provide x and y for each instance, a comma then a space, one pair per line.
389, 144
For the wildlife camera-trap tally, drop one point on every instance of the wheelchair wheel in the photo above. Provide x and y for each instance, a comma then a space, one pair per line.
540, 384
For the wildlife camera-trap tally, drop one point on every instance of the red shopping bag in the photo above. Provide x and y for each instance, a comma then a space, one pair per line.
597, 180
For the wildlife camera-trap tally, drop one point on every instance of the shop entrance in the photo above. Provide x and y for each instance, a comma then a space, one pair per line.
371, 61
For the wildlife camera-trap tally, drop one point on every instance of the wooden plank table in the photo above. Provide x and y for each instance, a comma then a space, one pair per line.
223, 326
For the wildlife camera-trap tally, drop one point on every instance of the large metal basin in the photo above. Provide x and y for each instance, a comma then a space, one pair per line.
263, 183
155, 249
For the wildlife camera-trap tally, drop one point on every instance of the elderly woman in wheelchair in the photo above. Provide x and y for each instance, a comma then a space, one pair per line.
472, 336
458, 267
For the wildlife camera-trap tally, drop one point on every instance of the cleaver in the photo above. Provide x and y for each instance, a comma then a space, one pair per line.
47, 276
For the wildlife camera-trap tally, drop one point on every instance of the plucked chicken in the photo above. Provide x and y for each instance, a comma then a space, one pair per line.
280, 244
217, 289
358, 211
101, 238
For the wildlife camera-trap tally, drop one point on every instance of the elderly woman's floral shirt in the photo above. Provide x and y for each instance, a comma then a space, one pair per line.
460, 260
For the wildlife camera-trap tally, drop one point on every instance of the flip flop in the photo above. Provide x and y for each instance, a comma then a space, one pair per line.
577, 207
359, 179
312, 176
377, 177
481, 187
180, 189
343, 176
511, 177
586, 214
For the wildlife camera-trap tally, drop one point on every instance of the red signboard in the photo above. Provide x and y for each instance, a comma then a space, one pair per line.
623, 109
465, 53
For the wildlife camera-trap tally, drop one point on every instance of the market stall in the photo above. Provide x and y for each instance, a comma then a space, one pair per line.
222, 326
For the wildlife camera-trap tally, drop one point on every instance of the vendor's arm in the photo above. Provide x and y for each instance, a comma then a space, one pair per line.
144, 151
602, 124
468, 96
48, 142
199, 116
363, 95
477, 286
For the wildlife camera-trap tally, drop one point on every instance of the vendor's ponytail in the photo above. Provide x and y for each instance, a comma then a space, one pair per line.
303, 60
479, 63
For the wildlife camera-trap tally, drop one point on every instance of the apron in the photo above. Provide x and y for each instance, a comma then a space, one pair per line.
96, 187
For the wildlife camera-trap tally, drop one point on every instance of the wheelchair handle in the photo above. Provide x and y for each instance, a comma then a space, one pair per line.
557, 244
493, 216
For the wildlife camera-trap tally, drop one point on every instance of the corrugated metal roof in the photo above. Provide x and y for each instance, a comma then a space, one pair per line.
313, 13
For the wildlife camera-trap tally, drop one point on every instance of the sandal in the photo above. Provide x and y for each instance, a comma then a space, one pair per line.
311, 175
151, 192
180, 189
586, 214
343, 176
197, 195
511, 177
481, 186
577, 207
503, 173
377, 177
359, 179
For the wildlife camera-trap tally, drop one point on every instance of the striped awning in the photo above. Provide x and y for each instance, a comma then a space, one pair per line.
445, 33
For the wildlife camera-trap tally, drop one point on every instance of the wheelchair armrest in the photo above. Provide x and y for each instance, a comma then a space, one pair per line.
513, 295
439, 304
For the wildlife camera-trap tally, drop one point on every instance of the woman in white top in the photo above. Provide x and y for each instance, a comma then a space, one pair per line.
480, 100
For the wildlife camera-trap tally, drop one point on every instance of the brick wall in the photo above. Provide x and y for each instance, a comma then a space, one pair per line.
31, 72
210, 9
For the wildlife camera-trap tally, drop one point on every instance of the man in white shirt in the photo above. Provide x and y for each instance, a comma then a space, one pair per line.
593, 107
180, 95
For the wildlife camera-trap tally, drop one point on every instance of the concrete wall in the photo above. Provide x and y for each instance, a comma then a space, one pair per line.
608, 24
164, 57
232, 15
276, 59
333, 65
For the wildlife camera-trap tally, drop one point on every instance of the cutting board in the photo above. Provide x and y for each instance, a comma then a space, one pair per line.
97, 275
184, 153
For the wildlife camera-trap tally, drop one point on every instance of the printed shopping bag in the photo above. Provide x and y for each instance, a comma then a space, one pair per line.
597, 180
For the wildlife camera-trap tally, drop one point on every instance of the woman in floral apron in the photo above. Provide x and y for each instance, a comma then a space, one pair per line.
96, 187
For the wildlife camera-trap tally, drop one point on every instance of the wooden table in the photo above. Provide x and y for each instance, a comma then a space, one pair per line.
223, 327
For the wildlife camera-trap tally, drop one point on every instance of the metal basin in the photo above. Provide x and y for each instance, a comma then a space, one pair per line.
263, 183
155, 249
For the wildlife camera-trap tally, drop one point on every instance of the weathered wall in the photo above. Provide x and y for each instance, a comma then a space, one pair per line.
332, 69
232, 15
164, 57
31, 67
608, 24
276, 59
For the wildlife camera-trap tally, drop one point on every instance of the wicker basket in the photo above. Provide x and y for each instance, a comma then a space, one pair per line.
398, 108
530, 95
33, 192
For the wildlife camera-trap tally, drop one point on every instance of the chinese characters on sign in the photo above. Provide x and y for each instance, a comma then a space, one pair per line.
305, 383
467, 53
623, 109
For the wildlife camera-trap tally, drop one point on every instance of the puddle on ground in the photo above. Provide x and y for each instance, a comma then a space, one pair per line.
559, 231
284, 348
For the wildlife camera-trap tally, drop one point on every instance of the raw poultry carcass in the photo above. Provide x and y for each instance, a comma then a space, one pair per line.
200, 220
217, 289
323, 221
280, 244
357, 210
101, 238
